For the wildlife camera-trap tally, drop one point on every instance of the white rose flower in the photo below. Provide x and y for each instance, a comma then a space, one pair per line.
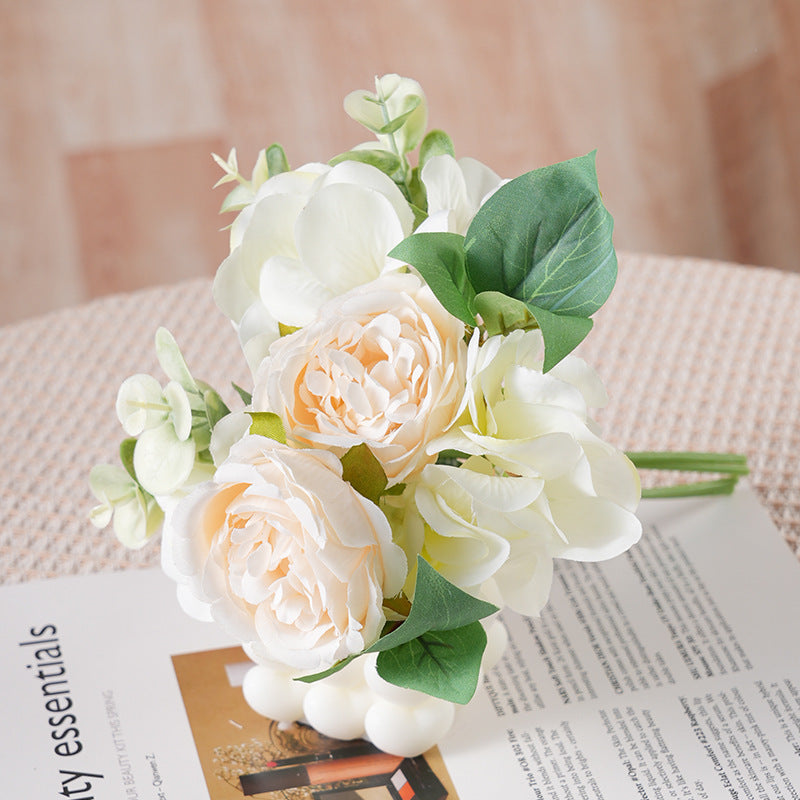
310, 235
285, 555
455, 190
563, 492
382, 365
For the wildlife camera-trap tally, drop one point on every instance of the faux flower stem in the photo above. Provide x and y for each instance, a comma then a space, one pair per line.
732, 465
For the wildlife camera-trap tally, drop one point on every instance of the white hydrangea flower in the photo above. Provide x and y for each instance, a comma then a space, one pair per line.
541, 484
310, 235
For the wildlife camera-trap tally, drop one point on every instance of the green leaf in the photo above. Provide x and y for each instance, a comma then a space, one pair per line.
443, 664
435, 143
265, 423
276, 160
545, 239
246, 396
439, 258
364, 472
126, 447
438, 606
382, 159
561, 334
171, 360
215, 406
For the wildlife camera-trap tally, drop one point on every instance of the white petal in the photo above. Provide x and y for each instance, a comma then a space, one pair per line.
447, 191
577, 372
232, 293
595, 528
481, 182
270, 233
290, 291
370, 177
180, 410
344, 234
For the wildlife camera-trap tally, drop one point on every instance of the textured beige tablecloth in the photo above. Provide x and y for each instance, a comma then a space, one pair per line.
695, 354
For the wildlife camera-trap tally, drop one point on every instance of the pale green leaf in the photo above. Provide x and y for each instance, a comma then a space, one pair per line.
172, 361
364, 472
277, 162
383, 160
435, 143
265, 423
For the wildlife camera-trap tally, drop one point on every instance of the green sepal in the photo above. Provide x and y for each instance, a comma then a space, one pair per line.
287, 330
276, 160
383, 160
364, 472
126, 447
265, 423
246, 396
545, 239
440, 259
435, 143
443, 664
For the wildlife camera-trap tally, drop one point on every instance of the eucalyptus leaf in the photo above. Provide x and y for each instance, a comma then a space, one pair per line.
443, 664
364, 472
171, 360
126, 447
440, 259
276, 160
236, 199
545, 238
435, 143
411, 103
265, 423
383, 160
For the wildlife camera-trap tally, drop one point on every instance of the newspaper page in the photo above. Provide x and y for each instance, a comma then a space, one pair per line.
672, 671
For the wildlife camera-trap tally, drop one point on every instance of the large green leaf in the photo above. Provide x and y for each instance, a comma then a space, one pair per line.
443, 664
440, 259
545, 239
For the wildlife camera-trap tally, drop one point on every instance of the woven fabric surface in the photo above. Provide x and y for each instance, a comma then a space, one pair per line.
696, 355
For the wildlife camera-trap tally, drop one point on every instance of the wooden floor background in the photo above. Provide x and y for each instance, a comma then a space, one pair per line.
109, 111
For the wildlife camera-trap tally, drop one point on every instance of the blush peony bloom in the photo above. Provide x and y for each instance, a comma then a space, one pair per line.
285, 555
382, 365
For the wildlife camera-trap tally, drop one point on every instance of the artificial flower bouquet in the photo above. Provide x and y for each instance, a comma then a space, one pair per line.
416, 447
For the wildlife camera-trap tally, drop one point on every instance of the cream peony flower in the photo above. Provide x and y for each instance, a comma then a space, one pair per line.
382, 365
455, 190
563, 492
285, 555
310, 235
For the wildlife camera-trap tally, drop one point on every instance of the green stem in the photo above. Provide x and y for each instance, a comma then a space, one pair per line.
700, 488
727, 463
732, 465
